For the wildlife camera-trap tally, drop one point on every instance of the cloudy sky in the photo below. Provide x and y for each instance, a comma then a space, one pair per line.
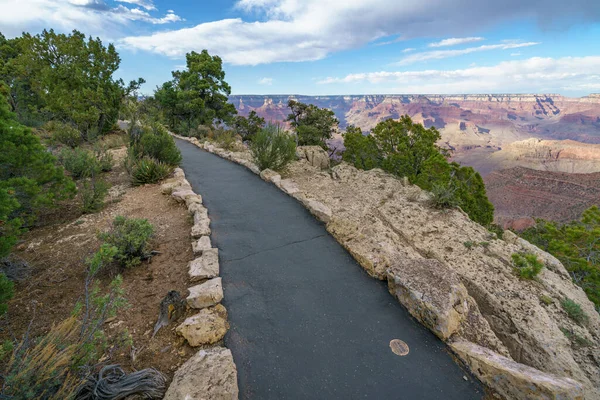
343, 46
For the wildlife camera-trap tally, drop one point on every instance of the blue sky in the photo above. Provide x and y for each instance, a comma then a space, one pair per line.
317, 47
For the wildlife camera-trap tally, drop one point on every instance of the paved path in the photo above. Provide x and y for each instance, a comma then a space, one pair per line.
306, 321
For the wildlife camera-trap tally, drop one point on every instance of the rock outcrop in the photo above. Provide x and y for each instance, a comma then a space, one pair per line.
207, 327
210, 374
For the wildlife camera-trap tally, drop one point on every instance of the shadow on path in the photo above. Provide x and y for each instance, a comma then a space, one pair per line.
306, 321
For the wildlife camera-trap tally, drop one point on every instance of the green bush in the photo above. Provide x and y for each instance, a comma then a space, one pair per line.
155, 142
273, 148
79, 162
574, 310
248, 127
443, 196
225, 138
527, 265
104, 158
147, 170
576, 245
131, 237
201, 132
65, 134
93, 192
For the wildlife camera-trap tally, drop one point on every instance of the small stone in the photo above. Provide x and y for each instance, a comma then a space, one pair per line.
270, 175
205, 266
200, 245
319, 210
288, 186
207, 327
206, 294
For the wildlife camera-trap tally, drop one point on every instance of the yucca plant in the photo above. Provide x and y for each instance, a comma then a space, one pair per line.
148, 170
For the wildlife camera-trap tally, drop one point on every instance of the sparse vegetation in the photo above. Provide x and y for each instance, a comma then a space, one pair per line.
576, 245
547, 300
577, 340
79, 162
93, 191
64, 134
469, 244
527, 265
147, 170
131, 238
273, 148
225, 138
574, 311
407, 149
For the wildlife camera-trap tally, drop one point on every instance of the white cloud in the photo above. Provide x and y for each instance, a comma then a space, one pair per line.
455, 41
94, 17
441, 54
266, 81
532, 75
147, 4
408, 50
515, 54
302, 30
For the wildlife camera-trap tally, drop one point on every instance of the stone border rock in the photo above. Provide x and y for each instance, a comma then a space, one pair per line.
211, 373
493, 369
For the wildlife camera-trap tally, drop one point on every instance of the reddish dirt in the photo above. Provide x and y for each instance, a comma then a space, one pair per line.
56, 251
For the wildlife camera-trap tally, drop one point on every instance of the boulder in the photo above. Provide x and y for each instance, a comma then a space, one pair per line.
315, 155
201, 245
195, 199
209, 374
513, 380
318, 209
207, 327
206, 294
178, 173
205, 266
431, 292
182, 194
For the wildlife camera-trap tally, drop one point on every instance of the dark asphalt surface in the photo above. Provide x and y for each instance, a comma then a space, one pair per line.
306, 321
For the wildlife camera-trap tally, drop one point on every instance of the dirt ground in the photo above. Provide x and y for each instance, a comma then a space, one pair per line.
56, 251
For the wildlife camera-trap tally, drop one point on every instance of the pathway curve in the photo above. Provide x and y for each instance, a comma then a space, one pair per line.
306, 321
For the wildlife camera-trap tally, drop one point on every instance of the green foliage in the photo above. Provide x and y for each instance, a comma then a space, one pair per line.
201, 132
130, 236
64, 134
225, 138
574, 311
29, 178
576, 245
527, 265
406, 149
547, 300
248, 127
272, 147
196, 96
313, 125
147, 170
93, 192
104, 158
469, 244
156, 143
577, 340
6, 292
80, 163
361, 151
69, 78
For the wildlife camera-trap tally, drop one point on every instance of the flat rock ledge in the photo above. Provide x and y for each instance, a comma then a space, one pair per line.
207, 327
209, 374
204, 267
207, 294
513, 380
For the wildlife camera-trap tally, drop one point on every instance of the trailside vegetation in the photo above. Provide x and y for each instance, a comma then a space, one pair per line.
247, 128
576, 245
405, 148
197, 95
313, 125
273, 148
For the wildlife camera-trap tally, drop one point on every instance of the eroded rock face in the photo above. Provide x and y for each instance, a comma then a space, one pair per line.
210, 374
514, 380
206, 294
315, 155
204, 267
207, 327
431, 292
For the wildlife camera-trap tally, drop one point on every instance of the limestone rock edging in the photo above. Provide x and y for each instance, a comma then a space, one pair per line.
211, 373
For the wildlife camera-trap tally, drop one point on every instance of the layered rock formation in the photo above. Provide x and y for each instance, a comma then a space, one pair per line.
508, 330
522, 193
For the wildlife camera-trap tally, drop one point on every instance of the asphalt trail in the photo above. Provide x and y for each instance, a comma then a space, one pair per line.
306, 321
